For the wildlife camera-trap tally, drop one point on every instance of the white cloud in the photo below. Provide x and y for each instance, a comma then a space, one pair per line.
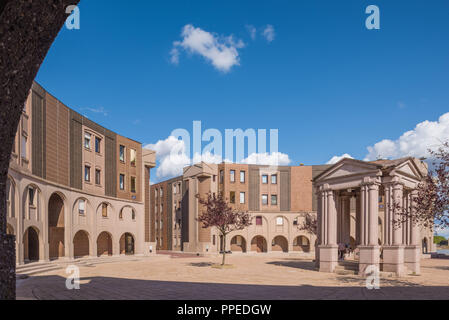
172, 157
174, 53
170, 153
414, 143
221, 52
441, 232
252, 31
99, 110
272, 159
269, 33
335, 159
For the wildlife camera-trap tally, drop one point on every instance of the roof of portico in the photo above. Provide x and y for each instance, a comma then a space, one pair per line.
408, 166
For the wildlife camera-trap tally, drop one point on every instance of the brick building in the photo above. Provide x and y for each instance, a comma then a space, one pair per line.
74, 187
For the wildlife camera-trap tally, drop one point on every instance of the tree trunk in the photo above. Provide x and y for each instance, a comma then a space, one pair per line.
27, 30
224, 249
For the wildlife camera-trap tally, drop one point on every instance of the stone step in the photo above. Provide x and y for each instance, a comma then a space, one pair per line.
37, 269
32, 266
348, 265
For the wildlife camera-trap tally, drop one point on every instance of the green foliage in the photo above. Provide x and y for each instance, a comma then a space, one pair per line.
438, 239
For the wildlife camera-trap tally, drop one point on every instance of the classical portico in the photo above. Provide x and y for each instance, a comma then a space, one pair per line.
358, 203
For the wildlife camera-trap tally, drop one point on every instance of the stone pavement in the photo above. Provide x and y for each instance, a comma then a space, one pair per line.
253, 277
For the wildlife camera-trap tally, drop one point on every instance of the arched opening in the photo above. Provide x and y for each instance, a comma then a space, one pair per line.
127, 243
56, 226
9, 229
81, 244
31, 245
10, 198
279, 243
238, 244
104, 244
259, 244
302, 244
425, 248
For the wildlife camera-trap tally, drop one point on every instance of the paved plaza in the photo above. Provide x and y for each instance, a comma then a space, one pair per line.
252, 277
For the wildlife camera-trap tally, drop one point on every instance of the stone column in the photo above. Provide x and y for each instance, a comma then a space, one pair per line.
328, 248
393, 253
412, 252
358, 213
345, 222
319, 224
369, 249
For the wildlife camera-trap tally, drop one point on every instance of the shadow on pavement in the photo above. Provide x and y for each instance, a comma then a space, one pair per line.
107, 288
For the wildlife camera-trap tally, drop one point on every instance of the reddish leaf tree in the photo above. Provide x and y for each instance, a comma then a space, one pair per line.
431, 202
217, 213
310, 224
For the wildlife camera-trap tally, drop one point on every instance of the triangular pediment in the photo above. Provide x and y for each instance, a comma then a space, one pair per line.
410, 169
347, 167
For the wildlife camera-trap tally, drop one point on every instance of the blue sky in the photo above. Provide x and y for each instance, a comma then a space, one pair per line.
326, 82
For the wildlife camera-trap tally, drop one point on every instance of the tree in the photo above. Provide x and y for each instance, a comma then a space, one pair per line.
27, 30
219, 214
438, 239
431, 202
310, 224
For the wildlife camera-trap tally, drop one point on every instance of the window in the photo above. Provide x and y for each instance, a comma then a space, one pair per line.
122, 153
274, 179
162, 192
295, 222
162, 207
155, 193
122, 182
214, 178
279, 221
133, 215
264, 179
97, 145
258, 221
274, 200
242, 197
133, 184
104, 210
232, 175
133, 157
120, 215
221, 176
97, 176
31, 194
232, 196
155, 208
24, 147
87, 137
161, 223
86, 173
265, 199
242, 176
213, 240
174, 189
82, 207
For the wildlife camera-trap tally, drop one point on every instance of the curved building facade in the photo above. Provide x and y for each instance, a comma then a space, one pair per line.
75, 189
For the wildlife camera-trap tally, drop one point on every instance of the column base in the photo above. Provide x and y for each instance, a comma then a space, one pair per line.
393, 259
368, 256
412, 259
328, 257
